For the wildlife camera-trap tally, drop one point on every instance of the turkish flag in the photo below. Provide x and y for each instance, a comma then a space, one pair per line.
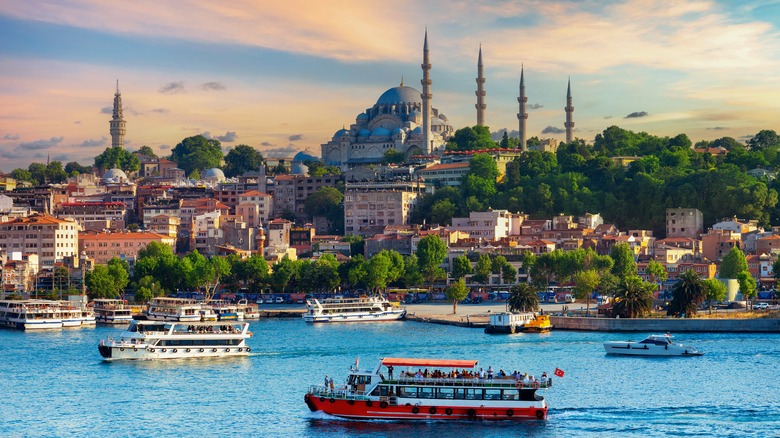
559, 372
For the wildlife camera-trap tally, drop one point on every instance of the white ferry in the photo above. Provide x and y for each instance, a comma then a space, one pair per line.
226, 311
446, 390
30, 314
177, 340
88, 317
70, 314
108, 311
251, 310
364, 309
173, 309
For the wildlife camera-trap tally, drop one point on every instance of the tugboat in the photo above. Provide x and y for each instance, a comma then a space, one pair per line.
451, 391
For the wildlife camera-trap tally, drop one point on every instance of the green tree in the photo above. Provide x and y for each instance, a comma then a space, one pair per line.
747, 286
73, 168
61, 279
120, 275
357, 244
442, 212
147, 288
158, 261
585, 283
764, 139
457, 291
523, 298
431, 252
633, 297
146, 150
482, 269
687, 294
733, 263
623, 256
197, 153
508, 274
242, 158
21, 175
100, 283
378, 270
716, 291
397, 267
471, 138
393, 156
412, 274
461, 267
656, 271
118, 157
284, 271
353, 272
326, 202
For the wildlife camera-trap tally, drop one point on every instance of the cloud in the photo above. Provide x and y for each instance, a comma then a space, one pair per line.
172, 88
295, 137
636, 115
229, 137
11, 137
265, 143
40, 144
607, 117
165, 146
716, 128
213, 86
160, 110
107, 110
280, 152
77, 122
60, 157
94, 143
534, 106
553, 130
10, 155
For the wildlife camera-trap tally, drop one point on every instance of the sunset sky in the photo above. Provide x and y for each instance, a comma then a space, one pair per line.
283, 76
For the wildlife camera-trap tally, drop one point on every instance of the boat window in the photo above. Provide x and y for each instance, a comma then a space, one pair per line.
425, 392
351, 380
446, 393
407, 392
460, 393
363, 380
380, 390
473, 394
509, 395
492, 394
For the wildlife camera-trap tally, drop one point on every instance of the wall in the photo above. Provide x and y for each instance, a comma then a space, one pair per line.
662, 325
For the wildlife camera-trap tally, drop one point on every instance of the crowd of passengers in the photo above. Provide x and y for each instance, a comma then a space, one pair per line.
212, 329
526, 378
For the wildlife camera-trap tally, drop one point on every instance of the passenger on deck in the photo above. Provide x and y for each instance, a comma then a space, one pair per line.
544, 378
481, 374
490, 373
501, 374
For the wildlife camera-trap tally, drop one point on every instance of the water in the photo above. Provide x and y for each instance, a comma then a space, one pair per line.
55, 384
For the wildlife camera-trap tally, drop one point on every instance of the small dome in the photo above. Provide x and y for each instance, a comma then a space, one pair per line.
341, 133
364, 133
213, 173
397, 131
299, 169
114, 175
398, 95
306, 155
417, 130
361, 117
380, 132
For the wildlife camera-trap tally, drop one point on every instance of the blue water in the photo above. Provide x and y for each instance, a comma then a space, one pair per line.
54, 383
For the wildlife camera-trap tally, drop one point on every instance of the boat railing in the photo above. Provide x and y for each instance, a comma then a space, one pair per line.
341, 393
488, 383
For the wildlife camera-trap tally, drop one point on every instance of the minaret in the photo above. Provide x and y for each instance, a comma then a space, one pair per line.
569, 109
522, 116
426, 98
480, 91
117, 123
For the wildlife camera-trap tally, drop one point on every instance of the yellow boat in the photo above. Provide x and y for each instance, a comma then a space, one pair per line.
540, 324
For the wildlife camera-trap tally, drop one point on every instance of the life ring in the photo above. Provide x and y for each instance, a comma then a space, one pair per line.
247, 349
164, 350
471, 413
214, 350
537, 385
322, 399
351, 402
201, 350
187, 350
135, 349
332, 400
510, 412
175, 350
432, 410
540, 414
415, 410
448, 411
383, 404
519, 384
368, 403
240, 350
227, 350
151, 350
121, 348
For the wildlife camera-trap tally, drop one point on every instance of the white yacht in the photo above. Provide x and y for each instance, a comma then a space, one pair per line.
364, 309
177, 340
174, 309
30, 314
108, 311
653, 345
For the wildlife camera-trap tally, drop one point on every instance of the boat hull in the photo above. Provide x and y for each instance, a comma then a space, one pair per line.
133, 352
363, 317
374, 409
633, 349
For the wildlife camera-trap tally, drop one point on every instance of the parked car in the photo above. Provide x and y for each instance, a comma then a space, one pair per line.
259, 301
761, 306
279, 300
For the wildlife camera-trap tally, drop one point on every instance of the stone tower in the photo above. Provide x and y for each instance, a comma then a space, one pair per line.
480, 91
426, 98
569, 110
117, 122
522, 116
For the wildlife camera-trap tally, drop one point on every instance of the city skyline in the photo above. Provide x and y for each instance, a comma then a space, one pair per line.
284, 76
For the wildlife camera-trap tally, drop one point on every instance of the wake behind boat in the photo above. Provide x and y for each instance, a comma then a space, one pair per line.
653, 345
363, 309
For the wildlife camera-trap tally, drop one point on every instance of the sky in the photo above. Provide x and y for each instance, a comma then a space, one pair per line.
284, 76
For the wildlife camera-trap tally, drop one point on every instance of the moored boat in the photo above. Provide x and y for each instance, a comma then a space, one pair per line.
540, 324
363, 309
30, 314
431, 395
147, 340
653, 345
508, 322
173, 309
251, 310
112, 311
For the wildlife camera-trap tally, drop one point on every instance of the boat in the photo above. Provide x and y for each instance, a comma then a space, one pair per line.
507, 322
149, 340
88, 317
174, 309
540, 324
251, 310
363, 309
70, 314
112, 311
30, 314
226, 311
430, 395
653, 345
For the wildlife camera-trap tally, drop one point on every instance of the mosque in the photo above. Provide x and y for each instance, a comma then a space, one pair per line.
403, 119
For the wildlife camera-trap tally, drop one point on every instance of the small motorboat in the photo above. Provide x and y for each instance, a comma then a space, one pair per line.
653, 345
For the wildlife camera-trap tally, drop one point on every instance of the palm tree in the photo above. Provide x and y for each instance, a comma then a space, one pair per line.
523, 298
633, 297
687, 294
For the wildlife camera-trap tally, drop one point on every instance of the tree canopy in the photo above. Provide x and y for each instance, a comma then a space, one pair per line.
242, 158
118, 157
431, 252
197, 153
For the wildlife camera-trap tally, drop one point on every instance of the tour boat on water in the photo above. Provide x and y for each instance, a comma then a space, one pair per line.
30, 314
148, 340
653, 345
111, 311
88, 317
363, 309
251, 310
458, 393
226, 311
174, 309
70, 314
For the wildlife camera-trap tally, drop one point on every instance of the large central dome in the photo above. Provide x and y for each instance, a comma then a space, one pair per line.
398, 95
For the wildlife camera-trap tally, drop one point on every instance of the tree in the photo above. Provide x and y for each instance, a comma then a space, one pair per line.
656, 271
456, 292
22, 175
687, 294
482, 269
118, 157
197, 153
733, 263
61, 279
147, 288
585, 283
523, 298
461, 267
623, 256
716, 291
100, 283
412, 275
633, 297
119, 271
764, 139
393, 156
73, 168
283, 272
378, 270
242, 158
471, 138
431, 252
326, 202
442, 212
508, 274
747, 286
146, 150
158, 261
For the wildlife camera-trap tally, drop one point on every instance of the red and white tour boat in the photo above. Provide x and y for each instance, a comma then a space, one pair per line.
445, 390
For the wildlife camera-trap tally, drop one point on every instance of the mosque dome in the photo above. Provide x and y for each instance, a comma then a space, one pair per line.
417, 131
306, 155
213, 173
362, 117
397, 130
364, 133
114, 175
341, 133
380, 132
400, 94
299, 169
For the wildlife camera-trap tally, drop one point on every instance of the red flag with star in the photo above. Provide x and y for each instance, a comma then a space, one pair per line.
559, 372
